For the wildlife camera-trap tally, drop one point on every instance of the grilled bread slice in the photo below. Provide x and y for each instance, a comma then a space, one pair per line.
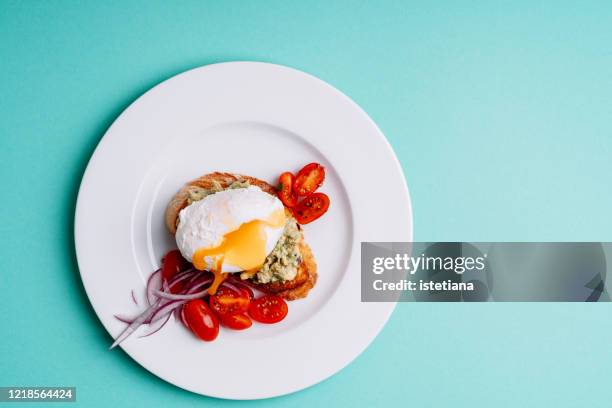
306, 276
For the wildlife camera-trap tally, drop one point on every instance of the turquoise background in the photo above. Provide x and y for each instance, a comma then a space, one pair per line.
500, 113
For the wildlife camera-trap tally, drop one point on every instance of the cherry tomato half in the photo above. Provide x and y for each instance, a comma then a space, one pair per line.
237, 321
268, 309
311, 208
285, 189
227, 301
172, 264
309, 179
201, 320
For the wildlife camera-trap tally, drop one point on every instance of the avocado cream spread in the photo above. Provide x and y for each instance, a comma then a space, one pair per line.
197, 193
283, 262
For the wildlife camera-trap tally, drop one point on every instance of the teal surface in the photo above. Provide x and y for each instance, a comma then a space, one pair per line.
500, 113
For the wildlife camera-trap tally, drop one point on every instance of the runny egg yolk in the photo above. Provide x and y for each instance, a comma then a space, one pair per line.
244, 247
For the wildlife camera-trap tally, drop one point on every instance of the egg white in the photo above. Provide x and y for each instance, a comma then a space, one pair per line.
204, 223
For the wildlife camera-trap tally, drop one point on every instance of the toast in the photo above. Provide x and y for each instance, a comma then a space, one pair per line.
306, 276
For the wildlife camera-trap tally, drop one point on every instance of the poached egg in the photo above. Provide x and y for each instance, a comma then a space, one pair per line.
230, 231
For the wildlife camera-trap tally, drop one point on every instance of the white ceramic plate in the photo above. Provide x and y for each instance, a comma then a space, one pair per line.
256, 119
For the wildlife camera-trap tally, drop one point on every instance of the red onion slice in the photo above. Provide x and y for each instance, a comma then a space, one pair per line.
157, 326
238, 286
177, 313
196, 276
135, 324
123, 319
246, 282
166, 309
181, 276
175, 281
198, 285
188, 296
153, 283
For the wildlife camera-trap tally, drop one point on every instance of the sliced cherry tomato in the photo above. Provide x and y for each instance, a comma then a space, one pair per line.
309, 179
201, 320
268, 309
311, 208
172, 264
236, 321
285, 189
227, 301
